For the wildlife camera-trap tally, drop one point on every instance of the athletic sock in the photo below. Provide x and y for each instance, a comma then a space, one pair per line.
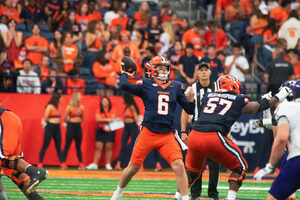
231, 195
117, 194
177, 195
185, 197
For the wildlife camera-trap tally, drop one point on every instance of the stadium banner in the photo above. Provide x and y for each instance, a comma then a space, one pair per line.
30, 108
249, 139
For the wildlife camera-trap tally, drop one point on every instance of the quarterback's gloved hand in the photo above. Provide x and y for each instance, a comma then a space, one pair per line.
262, 172
283, 93
267, 96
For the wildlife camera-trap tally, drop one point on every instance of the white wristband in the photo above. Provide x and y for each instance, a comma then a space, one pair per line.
283, 93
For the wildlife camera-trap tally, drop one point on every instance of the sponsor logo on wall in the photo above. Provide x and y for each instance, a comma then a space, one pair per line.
244, 134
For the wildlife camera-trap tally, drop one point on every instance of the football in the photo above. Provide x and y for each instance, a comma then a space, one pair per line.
128, 65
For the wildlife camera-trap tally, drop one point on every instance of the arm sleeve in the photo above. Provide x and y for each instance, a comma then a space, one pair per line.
282, 111
244, 100
189, 107
283, 120
134, 89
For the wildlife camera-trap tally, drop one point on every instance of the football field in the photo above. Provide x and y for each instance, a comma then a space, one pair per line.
147, 185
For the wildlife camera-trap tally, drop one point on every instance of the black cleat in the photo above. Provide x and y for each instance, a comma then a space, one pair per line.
36, 178
35, 196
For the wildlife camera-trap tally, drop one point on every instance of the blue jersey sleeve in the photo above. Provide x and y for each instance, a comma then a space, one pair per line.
125, 85
242, 101
189, 107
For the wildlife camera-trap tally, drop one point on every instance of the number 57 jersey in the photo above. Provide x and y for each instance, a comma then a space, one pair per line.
159, 101
219, 111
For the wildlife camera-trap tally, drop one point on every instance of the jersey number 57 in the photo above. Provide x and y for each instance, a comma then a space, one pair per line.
213, 102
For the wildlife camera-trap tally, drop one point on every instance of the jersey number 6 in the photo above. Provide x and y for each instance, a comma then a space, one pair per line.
213, 102
163, 104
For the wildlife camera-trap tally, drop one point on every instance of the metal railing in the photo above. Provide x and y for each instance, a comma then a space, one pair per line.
10, 84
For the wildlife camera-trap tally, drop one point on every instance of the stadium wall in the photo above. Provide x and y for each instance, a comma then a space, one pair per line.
30, 108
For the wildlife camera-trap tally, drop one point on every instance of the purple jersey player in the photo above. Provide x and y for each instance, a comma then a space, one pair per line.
288, 133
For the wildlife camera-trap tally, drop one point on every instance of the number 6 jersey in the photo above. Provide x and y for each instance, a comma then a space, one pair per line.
219, 111
159, 101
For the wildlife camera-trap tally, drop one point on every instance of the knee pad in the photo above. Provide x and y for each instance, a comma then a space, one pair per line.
192, 175
10, 158
19, 178
237, 175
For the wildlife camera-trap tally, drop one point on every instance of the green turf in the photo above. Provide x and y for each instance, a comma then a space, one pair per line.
52, 185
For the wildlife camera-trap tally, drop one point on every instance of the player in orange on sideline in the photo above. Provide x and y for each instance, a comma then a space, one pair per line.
24, 175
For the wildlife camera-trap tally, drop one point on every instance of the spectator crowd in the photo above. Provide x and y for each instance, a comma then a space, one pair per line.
67, 46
